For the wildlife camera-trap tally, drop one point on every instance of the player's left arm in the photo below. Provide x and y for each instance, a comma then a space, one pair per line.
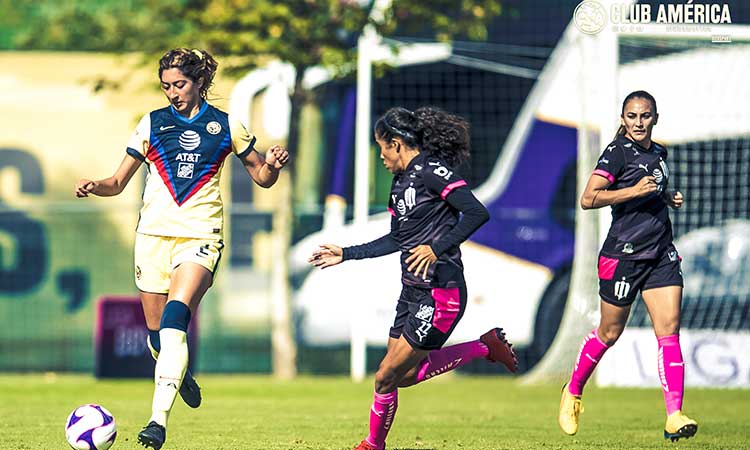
265, 171
673, 198
456, 193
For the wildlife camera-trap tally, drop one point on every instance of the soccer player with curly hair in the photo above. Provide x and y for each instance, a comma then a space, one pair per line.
433, 212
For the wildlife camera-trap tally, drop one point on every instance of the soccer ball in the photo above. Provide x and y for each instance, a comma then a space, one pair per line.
90, 427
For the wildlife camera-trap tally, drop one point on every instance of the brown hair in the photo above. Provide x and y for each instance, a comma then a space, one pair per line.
194, 63
432, 130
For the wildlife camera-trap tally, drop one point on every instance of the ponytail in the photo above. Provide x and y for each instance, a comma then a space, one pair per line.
620, 131
444, 135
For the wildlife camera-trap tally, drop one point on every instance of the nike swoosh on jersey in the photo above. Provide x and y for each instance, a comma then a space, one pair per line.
162, 128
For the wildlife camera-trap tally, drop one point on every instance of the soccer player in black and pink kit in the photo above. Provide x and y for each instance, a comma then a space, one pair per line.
637, 255
433, 212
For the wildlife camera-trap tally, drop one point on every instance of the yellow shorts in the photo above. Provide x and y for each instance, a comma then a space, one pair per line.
157, 256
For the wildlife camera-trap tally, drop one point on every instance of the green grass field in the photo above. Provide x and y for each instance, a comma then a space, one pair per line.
451, 412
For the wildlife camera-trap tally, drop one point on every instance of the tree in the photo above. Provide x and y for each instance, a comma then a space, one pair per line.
304, 33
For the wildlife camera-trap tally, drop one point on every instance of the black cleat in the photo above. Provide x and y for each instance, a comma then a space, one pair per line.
153, 435
190, 391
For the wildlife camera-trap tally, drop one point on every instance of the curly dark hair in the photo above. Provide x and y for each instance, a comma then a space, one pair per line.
432, 130
194, 63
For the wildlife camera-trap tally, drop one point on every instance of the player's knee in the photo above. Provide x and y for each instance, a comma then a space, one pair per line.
667, 327
386, 380
610, 333
410, 379
176, 315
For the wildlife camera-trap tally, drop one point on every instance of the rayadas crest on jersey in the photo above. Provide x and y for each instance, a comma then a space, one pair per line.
410, 196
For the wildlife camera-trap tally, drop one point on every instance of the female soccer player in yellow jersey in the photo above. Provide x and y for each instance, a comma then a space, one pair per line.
179, 235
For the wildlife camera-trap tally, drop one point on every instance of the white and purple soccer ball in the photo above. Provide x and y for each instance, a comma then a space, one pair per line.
90, 427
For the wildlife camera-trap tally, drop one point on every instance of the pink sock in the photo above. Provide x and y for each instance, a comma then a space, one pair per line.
382, 413
591, 352
449, 358
671, 371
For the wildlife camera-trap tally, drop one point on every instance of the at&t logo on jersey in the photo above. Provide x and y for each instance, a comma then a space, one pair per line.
661, 175
401, 207
190, 140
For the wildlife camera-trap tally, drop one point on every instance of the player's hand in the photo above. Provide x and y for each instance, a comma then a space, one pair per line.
420, 259
84, 187
327, 255
644, 187
277, 157
675, 199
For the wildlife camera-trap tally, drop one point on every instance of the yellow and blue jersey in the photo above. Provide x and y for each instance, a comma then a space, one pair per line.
185, 157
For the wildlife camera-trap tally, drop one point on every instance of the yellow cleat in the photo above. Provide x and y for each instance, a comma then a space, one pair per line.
570, 408
679, 426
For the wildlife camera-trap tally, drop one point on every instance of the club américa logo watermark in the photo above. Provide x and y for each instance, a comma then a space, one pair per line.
591, 17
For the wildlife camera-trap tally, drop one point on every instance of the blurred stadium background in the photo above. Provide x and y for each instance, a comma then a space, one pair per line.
542, 99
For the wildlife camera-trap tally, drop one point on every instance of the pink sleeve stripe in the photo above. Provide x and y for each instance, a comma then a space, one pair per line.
605, 174
450, 187
393, 213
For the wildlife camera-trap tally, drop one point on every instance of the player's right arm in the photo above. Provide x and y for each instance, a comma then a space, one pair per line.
330, 255
596, 194
611, 165
138, 145
111, 186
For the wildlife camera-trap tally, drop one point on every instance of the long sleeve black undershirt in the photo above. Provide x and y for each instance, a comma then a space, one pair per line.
474, 215
381, 246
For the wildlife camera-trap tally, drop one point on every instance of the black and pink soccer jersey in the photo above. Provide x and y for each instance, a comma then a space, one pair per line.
427, 200
640, 228
422, 216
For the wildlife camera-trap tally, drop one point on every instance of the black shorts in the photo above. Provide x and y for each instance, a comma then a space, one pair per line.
620, 280
426, 317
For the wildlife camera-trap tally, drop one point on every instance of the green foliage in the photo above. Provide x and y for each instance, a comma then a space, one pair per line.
302, 32
117, 26
447, 413
441, 19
